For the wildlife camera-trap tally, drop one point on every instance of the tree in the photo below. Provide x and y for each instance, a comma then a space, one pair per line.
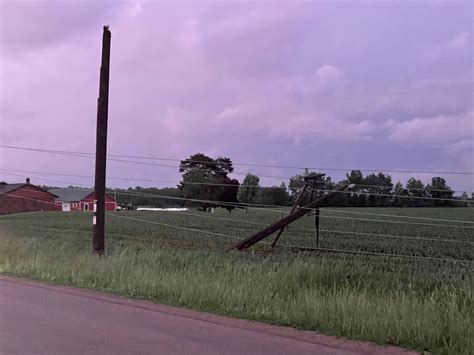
275, 195
204, 178
357, 198
378, 184
249, 189
216, 167
296, 183
438, 189
416, 188
399, 190
229, 194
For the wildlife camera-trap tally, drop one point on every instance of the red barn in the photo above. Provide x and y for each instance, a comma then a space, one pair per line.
24, 197
79, 199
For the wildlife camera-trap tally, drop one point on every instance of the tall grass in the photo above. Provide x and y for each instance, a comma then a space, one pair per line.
382, 301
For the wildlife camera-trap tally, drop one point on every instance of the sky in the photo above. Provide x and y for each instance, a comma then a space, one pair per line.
354, 84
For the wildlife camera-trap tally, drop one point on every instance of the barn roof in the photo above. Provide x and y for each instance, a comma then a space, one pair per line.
7, 188
71, 194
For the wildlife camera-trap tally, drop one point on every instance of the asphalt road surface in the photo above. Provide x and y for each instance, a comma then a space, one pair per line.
41, 319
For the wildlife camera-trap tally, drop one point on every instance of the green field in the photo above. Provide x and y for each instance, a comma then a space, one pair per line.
420, 303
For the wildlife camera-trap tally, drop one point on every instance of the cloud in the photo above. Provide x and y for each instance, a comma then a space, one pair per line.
324, 128
328, 73
450, 50
28, 26
439, 128
243, 79
458, 42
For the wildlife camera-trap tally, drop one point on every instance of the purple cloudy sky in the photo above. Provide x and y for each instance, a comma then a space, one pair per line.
386, 85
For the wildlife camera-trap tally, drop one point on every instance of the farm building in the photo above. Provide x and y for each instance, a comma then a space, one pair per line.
79, 199
25, 197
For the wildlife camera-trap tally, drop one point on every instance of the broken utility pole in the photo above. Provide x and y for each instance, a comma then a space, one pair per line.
309, 182
98, 243
295, 206
247, 242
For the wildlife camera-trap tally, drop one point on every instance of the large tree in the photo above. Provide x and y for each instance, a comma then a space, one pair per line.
205, 178
249, 189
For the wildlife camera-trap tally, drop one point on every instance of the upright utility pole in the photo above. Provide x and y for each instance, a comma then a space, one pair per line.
98, 243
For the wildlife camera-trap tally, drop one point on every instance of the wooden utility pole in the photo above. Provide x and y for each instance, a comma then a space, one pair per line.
309, 182
98, 243
247, 242
295, 206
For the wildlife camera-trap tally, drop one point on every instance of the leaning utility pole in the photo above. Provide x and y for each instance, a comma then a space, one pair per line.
282, 223
98, 243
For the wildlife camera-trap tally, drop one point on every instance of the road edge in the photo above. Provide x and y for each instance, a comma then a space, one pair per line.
361, 347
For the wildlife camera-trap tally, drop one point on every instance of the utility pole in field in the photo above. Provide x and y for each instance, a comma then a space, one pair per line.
282, 223
98, 243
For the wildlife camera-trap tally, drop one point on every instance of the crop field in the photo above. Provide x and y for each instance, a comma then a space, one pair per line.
350, 284
425, 233
376, 231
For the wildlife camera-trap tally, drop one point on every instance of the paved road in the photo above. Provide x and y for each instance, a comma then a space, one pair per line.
40, 319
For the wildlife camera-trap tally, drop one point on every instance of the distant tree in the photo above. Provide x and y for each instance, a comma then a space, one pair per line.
275, 195
463, 200
229, 194
249, 189
379, 187
296, 183
217, 167
204, 178
438, 190
416, 188
358, 196
355, 177
399, 191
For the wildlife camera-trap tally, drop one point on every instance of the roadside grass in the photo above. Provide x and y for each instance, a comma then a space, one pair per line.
384, 300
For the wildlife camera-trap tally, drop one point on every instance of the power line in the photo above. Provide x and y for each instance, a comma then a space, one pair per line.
215, 184
45, 179
326, 230
325, 190
228, 203
263, 207
399, 236
279, 211
301, 247
398, 216
373, 253
285, 245
174, 226
264, 224
399, 222
242, 164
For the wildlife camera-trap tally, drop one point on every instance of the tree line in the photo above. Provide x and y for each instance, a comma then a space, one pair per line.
206, 184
